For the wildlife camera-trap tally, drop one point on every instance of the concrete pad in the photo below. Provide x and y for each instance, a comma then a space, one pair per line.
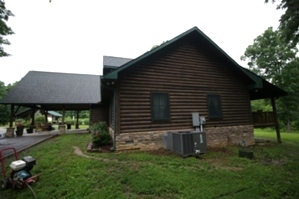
31, 139
21, 143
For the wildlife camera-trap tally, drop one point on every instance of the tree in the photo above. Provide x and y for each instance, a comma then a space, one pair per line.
288, 109
272, 59
4, 113
289, 21
2, 90
261, 104
269, 55
4, 29
4, 110
10, 86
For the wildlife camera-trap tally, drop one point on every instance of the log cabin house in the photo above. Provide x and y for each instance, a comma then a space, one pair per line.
157, 92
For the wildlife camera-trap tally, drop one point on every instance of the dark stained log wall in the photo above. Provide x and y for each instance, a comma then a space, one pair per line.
99, 113
188, 73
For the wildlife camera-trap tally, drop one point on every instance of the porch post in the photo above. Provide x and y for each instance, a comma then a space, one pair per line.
32, 117
63, 115
12, 107
10, 131
46, 116
276, 120
77, 122
62, 126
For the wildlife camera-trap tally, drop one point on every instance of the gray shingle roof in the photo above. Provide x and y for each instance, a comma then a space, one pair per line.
110, 61
38, 87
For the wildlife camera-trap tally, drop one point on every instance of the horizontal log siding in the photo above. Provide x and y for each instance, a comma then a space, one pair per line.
99, 113
188, 74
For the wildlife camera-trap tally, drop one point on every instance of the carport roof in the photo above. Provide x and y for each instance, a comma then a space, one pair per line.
55, 91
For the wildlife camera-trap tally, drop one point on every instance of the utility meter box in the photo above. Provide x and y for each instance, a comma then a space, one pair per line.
195, 119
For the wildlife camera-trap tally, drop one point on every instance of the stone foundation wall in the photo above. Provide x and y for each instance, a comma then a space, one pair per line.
141, 141
230, 135
216, 136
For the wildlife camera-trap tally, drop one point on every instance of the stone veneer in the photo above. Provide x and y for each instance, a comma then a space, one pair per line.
216, 136
230, 135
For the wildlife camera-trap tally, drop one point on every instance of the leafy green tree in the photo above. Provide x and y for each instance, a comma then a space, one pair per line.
2, 90
288, 108
272, 59
10, 86
263, 105
4, 29
289, 21
4, 109
269, 55
4, 113
84, 114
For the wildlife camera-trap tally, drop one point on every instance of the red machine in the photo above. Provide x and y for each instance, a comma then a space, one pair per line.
20, 175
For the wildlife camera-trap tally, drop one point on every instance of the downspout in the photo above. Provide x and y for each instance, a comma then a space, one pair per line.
114, 119
113, 148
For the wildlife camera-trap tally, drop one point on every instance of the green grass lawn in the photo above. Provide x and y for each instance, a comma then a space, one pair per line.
136, 175
271, 134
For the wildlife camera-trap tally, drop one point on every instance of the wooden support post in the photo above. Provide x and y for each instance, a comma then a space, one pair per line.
46, 116
33, 116
12, 107
77, 122
276, 120
10, 131
62, 126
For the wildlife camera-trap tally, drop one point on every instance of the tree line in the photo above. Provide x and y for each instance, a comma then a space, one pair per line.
274, 56
4, 110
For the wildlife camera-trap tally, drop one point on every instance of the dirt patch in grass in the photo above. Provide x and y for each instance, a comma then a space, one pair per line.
222, 150
223, 164
160, 152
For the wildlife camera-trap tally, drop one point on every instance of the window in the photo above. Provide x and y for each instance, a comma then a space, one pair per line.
160, 106
214, 106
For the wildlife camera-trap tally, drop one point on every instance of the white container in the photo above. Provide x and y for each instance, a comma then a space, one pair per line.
2, 135
17, 165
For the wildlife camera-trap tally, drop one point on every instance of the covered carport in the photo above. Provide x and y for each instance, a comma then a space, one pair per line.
45, 91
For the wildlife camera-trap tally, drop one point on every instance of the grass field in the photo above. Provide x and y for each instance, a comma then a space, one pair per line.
273, 173
271, 134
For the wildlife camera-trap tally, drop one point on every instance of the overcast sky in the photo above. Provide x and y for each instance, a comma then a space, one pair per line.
72, 36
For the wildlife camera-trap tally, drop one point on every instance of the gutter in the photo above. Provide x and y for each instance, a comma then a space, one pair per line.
114, 119
114, 114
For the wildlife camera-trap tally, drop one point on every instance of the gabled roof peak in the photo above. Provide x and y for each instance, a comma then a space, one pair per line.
194, 32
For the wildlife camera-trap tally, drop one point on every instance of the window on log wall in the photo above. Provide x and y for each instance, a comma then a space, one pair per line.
160, 107
214, 106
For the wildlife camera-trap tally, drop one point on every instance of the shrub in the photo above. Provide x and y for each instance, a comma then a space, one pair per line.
99, 134
19, 122
39, 119
84, 121
27, 124
69, 120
